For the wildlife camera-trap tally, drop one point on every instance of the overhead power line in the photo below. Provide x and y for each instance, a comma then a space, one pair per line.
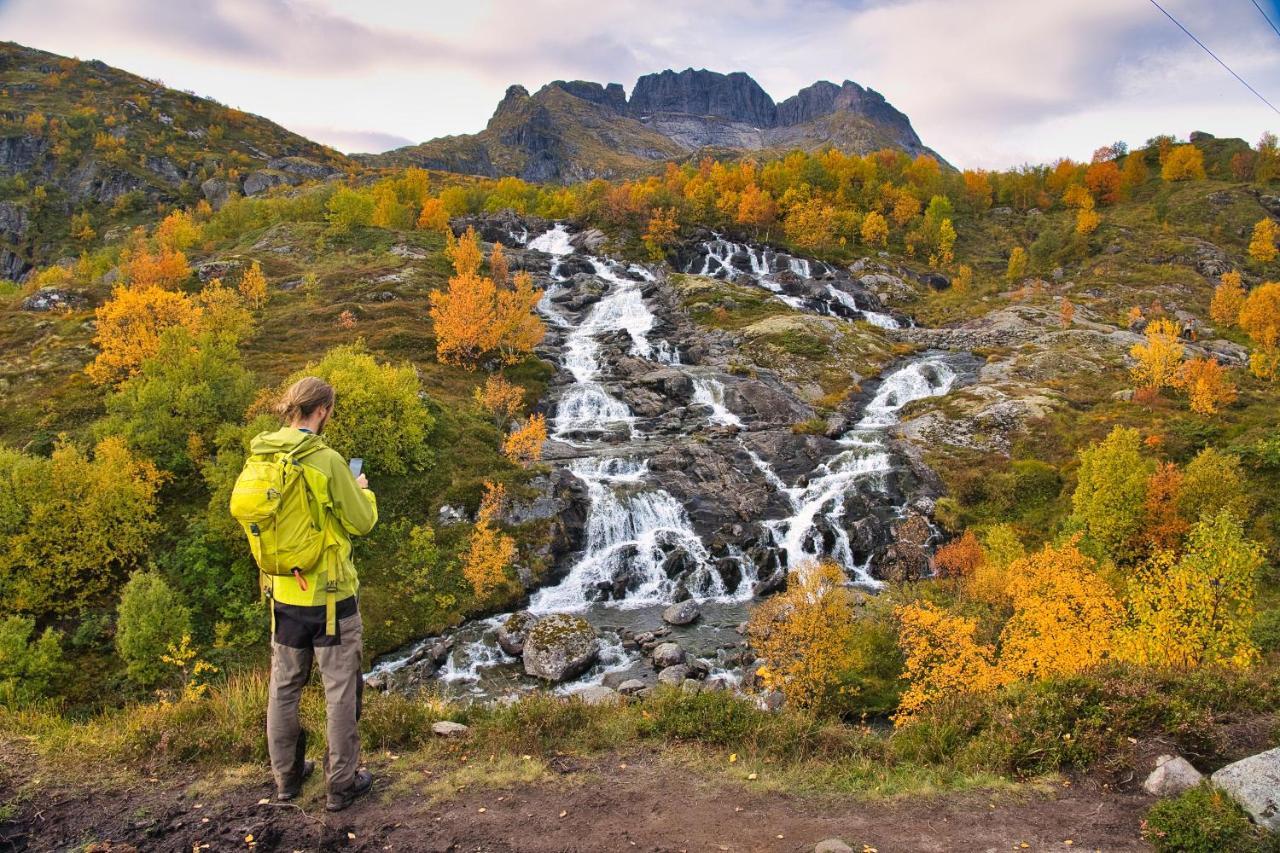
1205, 48
1264, 14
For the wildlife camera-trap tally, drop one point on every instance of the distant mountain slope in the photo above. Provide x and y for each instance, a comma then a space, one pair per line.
568, 131
85, 138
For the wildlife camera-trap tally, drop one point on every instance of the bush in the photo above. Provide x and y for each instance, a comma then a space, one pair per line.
151, 618
28, 667
69, 524
171, 410
379, 415
1203, 819
1265, 631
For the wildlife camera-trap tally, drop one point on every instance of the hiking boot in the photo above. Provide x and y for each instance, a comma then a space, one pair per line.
360, 786
288, 792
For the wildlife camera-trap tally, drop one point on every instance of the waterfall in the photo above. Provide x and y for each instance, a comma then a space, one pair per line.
710, 393
864, 459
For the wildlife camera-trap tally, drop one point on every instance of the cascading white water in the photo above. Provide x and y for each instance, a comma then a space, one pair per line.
710, 393
865, 457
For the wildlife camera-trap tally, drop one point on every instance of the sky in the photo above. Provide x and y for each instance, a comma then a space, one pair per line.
986, 83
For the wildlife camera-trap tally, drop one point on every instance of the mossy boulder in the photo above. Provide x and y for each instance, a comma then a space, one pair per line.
560, 647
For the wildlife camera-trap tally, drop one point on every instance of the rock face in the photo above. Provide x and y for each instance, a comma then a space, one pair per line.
546, 136
560, 647
1173, 775
1254, 783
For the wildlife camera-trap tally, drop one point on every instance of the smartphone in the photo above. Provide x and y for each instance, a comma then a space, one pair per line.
356, 464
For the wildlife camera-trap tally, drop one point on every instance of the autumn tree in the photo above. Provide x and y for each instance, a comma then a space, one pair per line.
808, 224
1260, 319
806, 637
253, 286
1195, 609
942, 658
500, 398
1184, 163
756, 208
1262, 245
1111, 489
963, 279
1163, 524
1206, 384
177, 232
661, 232
1134, 173
1066, 313
1103, 180
1214, 481
223, 312
1017, 268
519, 328
989, 580
977, 189
524, 445
1159, 358
1228, 299
875, 231
960, 557
433, 216
490, 552
142, 269
1064, 615
129, 326
946, 243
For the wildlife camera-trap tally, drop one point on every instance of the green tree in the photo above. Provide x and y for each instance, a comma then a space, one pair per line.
1111, 489
151, 618
171, 409
1214, 481
29, 665
348, 208
379, 414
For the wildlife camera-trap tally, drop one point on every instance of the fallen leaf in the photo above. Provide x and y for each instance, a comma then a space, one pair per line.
351, 836
248, 839
733, 756
752, 776
264, 801
562, 814
483, 810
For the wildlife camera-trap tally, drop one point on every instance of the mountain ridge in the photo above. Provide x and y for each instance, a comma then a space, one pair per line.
579, 129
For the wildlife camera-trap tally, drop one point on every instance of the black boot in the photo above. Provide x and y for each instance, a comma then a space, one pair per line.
359, 786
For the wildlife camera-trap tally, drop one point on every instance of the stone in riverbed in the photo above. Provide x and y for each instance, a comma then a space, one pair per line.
631, 687
674, 675
560, 647
681, 613
667, 654
512, 632
598, 694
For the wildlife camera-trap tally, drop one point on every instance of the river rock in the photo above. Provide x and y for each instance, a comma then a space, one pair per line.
668, 654
674, 675
512, 632
631, 687
449, 729
1173, 775
1254, 783
560, 647
598, 694
681, 613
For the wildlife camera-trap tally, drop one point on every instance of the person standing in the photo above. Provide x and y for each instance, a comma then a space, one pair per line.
308, 505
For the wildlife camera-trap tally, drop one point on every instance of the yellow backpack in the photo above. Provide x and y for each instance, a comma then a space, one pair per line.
274, 505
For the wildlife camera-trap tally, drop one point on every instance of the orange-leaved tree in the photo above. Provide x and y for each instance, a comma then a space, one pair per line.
806, 637
1260, 319
960, 557
1262, 245
942, 658
1205, 381
130, 325
1064, 615
1228, 298
524, 445
500, 398
1159, 357
490, 552
1164, 525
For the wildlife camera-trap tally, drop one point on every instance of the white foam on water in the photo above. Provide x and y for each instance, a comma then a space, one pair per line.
710, 393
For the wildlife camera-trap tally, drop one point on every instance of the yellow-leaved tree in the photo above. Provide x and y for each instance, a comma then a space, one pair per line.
1262, 244
1159, 358
130, 325
1184, 163
433, 216
500, 398
661, 232
1017, 267
524, 445
875, 230
1064, 615
490, 552
1228, 298
806, 637
1111, 490
253, 286
1197, 608
1205, 381
1260, 319
942, 658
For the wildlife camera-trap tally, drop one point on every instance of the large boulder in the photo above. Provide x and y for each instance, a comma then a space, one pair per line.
1254, 783
560, 647
512, 632
681, 613
667, 655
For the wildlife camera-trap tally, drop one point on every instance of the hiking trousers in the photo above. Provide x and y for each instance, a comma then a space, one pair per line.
341, 671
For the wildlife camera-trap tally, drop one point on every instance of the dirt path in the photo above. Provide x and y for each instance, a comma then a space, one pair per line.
597, 805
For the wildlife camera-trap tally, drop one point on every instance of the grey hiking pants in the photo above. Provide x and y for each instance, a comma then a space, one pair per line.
343, 677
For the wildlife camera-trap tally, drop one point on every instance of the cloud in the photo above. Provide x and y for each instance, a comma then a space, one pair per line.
353, 141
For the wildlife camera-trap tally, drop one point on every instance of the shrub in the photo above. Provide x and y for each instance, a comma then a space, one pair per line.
69, 524
1203, 819
1110, 496
29, 666
170, 411
379, 414
151, 618
1265, 632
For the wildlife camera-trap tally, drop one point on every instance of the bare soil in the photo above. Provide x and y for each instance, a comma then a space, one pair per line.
632, 802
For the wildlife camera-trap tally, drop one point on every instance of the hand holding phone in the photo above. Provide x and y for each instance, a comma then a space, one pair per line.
356, 464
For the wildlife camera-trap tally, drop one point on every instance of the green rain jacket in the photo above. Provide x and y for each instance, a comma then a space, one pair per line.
348, 511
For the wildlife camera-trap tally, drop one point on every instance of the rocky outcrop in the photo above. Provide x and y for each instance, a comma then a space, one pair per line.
735, 96
1254, 783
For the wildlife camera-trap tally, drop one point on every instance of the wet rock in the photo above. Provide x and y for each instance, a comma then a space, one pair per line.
681, 613
1254, 783
505, 227
560, 647
513, 631
907, 557
631, 687
776, 582
667, 655
598, 694
673, 675
591, 240
449, 729
1173, 775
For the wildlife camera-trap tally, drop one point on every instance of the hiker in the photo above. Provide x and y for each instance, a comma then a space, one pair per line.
300, 503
